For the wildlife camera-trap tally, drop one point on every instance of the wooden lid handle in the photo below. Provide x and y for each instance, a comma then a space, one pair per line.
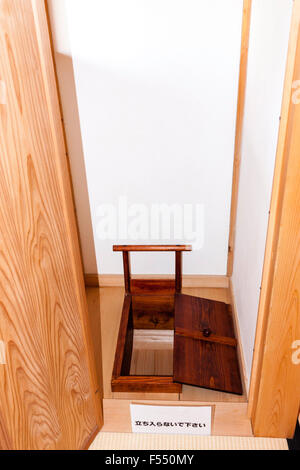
207, 332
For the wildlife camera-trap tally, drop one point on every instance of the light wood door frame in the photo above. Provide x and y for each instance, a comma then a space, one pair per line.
274, 391
49, 391
247, 7
274, 398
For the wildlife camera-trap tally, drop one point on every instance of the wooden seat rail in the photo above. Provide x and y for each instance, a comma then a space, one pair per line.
177, 249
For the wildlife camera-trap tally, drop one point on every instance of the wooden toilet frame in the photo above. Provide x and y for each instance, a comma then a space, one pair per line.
121, 380
205, 349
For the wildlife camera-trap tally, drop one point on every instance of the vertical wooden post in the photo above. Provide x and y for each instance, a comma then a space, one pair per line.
178, 249
178, 271
239, 130
127, 274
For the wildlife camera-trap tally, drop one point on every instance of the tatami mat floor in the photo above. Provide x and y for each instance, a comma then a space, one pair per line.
118, 441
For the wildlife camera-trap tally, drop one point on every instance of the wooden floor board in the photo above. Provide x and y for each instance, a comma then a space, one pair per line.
229, 419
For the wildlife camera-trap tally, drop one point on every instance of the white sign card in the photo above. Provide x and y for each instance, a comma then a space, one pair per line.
171, 419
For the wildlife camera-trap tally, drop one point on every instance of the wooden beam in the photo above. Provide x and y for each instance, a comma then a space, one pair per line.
239, 130
275, 212
275, 384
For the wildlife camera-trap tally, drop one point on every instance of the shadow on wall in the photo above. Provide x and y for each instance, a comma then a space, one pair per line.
93, 300
136, 153
68, 97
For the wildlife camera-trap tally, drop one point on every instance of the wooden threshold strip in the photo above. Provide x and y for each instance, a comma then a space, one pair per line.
142, 383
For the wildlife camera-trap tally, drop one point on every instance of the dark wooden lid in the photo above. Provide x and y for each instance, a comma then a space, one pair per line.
205, 349
198, 314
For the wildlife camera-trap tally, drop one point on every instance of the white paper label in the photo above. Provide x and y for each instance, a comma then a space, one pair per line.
171, 419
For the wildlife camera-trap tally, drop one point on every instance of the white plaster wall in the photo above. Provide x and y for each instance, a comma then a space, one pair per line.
68, 95
156, 82
269, 33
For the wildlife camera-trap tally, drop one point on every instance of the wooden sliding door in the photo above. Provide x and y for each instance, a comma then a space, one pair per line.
49, 396
274, 400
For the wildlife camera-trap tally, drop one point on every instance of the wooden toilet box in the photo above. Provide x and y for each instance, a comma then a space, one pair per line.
195, 336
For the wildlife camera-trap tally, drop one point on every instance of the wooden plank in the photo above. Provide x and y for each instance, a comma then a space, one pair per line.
48, 385
136, 383
5, 442
188, 280
153, 312
152, 352
239, 130
153, 286
127, 273
187, 333
219, 366
153, 339
198, 394
154, 362
276, 400
127, 356
219, 294
209, 364
197, 314
145, 396
67, 202
122, 337
229, 419
128, 248
190, 393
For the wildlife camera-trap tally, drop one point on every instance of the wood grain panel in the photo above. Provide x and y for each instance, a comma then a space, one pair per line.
153, 312
153, 286
276, 400
275, 212
152, 362
48, 386
128, 248
123, 351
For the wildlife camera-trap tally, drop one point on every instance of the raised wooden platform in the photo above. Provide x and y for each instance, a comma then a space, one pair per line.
230, 411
